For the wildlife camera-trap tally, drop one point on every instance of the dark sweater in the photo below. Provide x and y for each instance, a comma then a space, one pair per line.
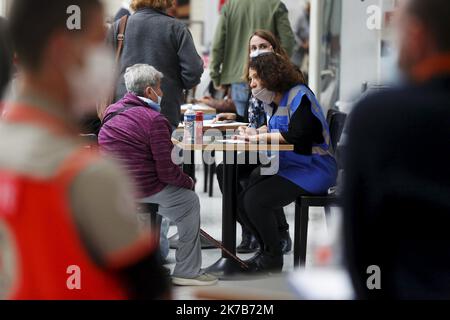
397, 192
305, 129
165, 43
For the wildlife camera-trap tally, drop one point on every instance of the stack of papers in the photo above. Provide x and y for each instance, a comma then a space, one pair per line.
222, 124
196, 107
210, 124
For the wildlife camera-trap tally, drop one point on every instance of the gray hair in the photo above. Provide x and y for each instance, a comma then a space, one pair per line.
141, 76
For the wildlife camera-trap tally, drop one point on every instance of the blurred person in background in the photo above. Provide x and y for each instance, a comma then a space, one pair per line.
397, 174
221, 4
301, 52
139, 137
152, 37
294, 117
238, 21
6, 59
260, 42
67, 216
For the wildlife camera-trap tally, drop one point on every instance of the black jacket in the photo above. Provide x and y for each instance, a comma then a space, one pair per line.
5, 57
397, 192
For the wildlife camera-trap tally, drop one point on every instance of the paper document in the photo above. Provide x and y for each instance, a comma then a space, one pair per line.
209, 123
232, 141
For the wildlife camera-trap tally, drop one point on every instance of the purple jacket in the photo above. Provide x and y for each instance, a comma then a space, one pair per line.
140, 139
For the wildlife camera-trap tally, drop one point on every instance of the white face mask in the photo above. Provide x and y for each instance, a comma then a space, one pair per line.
94, 82
264, 95
259, 52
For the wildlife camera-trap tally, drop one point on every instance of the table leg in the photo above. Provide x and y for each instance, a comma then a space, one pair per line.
189, 163
225, 267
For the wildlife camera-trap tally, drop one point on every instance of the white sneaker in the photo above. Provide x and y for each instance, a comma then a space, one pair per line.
204, 279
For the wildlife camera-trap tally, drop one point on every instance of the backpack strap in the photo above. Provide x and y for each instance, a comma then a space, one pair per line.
121, 36
111, 115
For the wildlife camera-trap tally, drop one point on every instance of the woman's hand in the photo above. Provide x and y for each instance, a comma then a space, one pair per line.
243, 130
225, 117
263, 130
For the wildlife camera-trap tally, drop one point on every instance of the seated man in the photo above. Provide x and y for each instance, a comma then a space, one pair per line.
5, 60
139, 137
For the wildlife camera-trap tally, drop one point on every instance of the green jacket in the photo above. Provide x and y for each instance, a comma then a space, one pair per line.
238, 21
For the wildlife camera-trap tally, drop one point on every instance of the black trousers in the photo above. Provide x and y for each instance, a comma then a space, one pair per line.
244, 172
259, 204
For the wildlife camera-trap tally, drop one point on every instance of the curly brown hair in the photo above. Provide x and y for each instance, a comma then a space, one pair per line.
276, 73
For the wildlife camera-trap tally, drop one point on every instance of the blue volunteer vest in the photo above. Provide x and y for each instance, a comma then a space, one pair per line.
315, 173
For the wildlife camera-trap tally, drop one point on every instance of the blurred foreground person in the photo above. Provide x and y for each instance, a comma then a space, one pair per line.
5, 59
397, 188
139, 137
67, 219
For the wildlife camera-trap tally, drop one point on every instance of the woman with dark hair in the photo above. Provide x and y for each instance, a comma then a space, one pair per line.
261, 41
294, 117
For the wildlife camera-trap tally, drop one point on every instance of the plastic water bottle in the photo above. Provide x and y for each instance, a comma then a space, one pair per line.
189, 125
199, 127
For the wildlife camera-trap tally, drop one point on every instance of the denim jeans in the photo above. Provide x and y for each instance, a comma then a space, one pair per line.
240, 94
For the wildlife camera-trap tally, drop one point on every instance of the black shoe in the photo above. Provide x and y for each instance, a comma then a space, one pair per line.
265, 263
249, 244
166, 271
286, 242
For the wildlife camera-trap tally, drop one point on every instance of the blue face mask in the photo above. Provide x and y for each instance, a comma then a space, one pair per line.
159, 97
151, 104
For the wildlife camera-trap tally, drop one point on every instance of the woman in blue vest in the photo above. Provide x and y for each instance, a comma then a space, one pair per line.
295, 117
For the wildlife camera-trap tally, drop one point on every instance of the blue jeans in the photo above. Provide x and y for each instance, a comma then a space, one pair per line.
240, 94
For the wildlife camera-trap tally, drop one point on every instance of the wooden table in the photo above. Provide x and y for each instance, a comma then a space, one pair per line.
226, 267
210, 129
222, 127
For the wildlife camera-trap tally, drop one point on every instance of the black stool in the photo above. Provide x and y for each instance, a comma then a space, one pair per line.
302, 221
155, 218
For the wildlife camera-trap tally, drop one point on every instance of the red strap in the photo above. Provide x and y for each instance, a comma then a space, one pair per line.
432, 67
79, 160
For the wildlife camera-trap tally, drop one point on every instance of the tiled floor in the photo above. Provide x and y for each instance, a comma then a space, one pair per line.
275, 287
